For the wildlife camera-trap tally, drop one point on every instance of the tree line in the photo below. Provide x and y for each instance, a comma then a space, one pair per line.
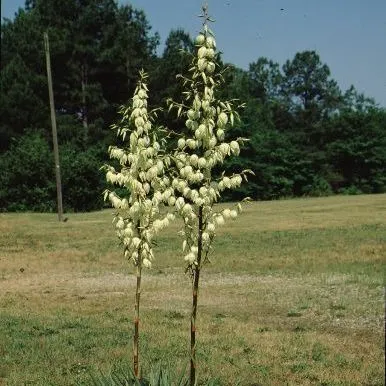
307, 137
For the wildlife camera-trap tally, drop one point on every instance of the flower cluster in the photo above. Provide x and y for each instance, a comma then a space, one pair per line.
142, 174
203, 147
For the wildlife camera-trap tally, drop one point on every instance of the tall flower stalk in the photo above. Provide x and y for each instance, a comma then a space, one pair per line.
202, 149
141, 178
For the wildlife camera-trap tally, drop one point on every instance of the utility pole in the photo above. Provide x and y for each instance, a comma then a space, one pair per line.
54, 130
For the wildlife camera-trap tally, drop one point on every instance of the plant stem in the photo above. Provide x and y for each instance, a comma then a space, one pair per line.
136, 323
196, 279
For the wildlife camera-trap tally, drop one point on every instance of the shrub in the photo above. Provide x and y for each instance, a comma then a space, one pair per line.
27, 180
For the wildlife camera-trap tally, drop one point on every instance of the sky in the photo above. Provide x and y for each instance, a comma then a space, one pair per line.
349, 35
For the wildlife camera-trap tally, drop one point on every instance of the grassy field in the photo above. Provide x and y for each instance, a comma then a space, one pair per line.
294, 296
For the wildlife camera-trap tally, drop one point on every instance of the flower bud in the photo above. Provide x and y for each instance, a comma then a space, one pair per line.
158, 196
224, 149
198, 134
188, 170
199, 176
194, 194
189, 123
222, 118
136, 112
201, 53
146, 187
211, 162
159, 166
166, 181
235, 148
150, 151
139, 122
201, 64
156, 146
110, 177
201, 162
133, 139
199, 201
181, 143
220, 134
212, 142
181, 185
200, 39
190, 258
170, 216
220, 220
180, 202
236, 181
186, 209
120, 224
205, 105
142, 94
211, 227
146, 263
137, 103
210, 67
203, 191
147, 126
191, 114
209, 53
226, 213
191, 143
166, 194
136, 241
210, 42
227, 182
212, 193
196, 103
186, 191
194, 159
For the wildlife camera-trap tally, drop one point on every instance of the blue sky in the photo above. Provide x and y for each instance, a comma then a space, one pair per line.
349, 35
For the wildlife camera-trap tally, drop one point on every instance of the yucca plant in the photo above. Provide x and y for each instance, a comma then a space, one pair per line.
185, 179
195, 186
141, 181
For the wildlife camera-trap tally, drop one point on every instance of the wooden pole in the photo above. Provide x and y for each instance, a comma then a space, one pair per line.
54, 130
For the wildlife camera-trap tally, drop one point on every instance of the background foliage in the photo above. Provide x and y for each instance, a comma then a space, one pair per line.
307, 137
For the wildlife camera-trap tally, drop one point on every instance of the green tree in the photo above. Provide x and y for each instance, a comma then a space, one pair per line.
311, 95
23, 85
96, 47
357, 151
312, 98
266, 79
308, 87
27, 181
127, 46
356, 101
21, 103
175, 60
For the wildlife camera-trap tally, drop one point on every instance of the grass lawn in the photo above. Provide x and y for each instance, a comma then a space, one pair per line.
294, 296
